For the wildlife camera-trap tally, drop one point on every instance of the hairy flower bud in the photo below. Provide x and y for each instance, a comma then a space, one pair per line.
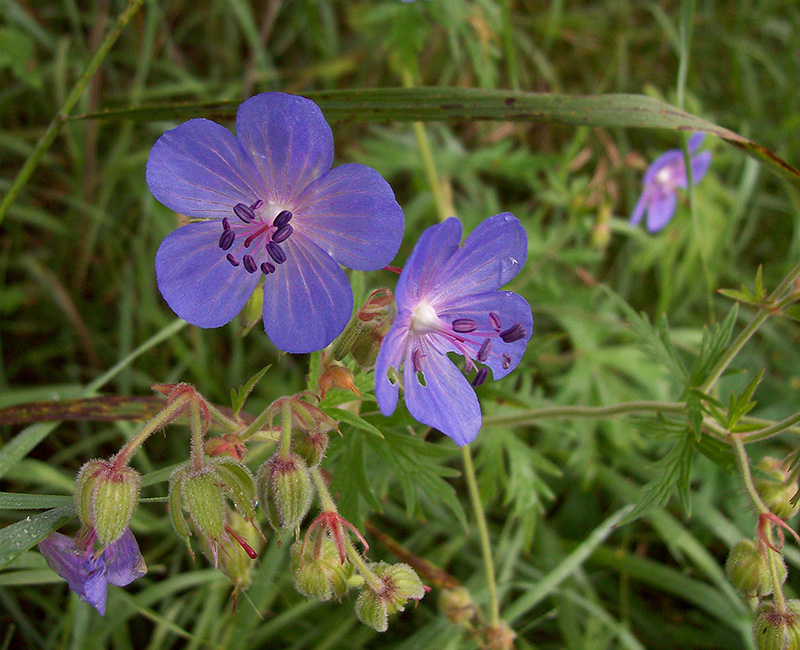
400, 583
310, 447
202, 498
318, 571
748, 568
775, 629
284, 490
105, 497
236, 553
779, 492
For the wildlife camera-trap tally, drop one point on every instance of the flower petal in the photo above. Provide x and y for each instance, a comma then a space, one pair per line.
124, 562
492, 255
695, 140
390, 355
641, 206
307, 300
288, 140
700, 164
673, 159
200, 169
661, 211
196, 280
446, 401
84, 573
431, 254
511, 308
352, 214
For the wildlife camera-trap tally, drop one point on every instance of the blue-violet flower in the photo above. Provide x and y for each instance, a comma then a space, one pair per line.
662, 180
447, 301
272, 208
87, 573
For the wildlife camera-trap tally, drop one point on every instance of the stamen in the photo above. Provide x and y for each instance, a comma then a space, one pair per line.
513, 333
267, 268
506, 360
257, 233
284, 217
464, 325
232, 259
483, 373
276, 253
226, 225
255, 206
245, 213
417, 359
494, 321
485, 349
282, 234
226, 239
249, 264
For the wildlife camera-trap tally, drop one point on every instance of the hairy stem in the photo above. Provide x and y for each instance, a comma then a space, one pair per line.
158, 421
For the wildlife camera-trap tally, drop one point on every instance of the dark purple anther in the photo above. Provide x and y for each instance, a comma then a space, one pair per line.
276, 253
267, 268
513, 333
506, 361
282, 234
494, 321
226, 225
232, 259
255, 206
486, 348
483, 373
244, 212
249, 264
417, 359
284, 217
226, 239
464, 325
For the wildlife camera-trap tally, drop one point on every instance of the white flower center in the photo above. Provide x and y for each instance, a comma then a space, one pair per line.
664, 177
424, 319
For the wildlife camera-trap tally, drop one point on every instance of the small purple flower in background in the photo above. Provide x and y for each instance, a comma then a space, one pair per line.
447, 301
662, 180
273, 208
89, 574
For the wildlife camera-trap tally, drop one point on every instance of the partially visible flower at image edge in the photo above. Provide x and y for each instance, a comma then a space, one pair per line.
87, 573
448, 301
272, 208
662, 179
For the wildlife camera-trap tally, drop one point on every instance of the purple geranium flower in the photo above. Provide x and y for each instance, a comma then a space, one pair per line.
447, 301
274, 209
89, 574
662, 180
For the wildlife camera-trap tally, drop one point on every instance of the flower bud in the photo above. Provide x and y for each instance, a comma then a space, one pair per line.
457, 606
323, 577
500, 637
779, 492
284, 490
235, 554
775, 629
363, 335
400, 583
310, 447
748, 568
198, 493
105, 497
